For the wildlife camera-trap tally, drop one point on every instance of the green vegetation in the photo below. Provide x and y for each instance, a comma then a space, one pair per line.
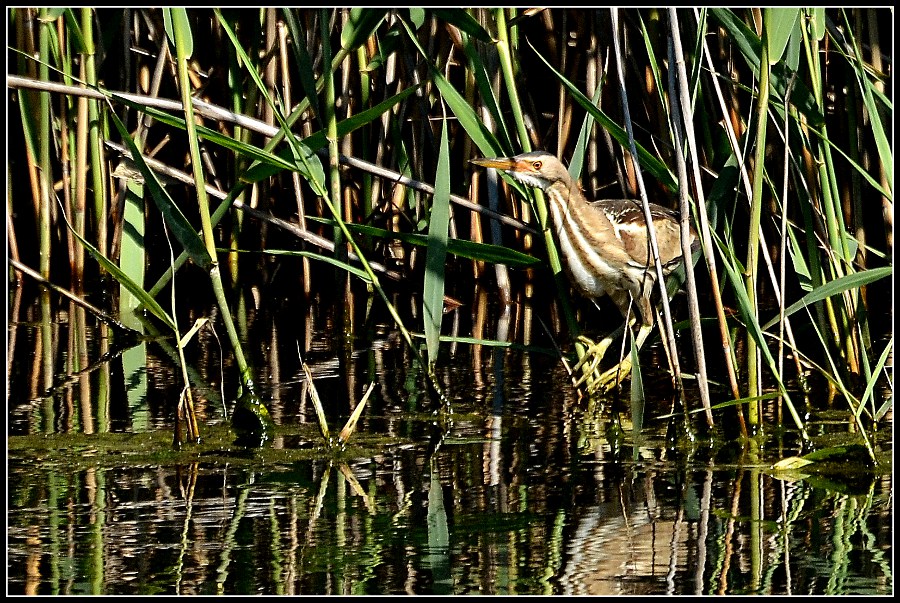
772, 126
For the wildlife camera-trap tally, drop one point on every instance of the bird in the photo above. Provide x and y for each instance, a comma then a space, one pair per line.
604, 244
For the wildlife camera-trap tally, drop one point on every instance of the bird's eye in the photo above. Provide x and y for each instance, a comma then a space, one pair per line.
537, 165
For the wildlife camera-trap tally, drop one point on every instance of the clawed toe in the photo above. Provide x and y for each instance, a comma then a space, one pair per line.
591, 377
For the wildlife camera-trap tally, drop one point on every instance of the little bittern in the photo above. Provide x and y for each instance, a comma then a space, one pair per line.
604, 244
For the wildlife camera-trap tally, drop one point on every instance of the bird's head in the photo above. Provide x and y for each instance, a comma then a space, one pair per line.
539, 169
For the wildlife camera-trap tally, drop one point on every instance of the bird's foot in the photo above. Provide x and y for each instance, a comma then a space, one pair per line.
611, 378
589, 363
597, 382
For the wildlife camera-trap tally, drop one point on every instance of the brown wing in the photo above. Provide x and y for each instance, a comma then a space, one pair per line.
627, 217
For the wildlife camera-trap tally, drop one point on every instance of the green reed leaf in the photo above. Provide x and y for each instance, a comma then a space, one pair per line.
304, 64
463, 20
648, 161
176, 18
780, 24
181, 229
146, 300
485, 252
638, 398
750, 46
362, 23
835, 287
479, 133
433, 292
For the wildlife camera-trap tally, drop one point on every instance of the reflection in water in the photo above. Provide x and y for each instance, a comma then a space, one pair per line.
405, 528
519, 493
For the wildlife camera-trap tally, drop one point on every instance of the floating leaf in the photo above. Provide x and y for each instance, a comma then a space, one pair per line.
791, 463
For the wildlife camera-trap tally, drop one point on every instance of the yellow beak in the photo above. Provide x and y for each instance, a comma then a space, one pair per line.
499, 163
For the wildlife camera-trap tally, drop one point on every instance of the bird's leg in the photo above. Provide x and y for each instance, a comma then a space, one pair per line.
590, 360
615, 375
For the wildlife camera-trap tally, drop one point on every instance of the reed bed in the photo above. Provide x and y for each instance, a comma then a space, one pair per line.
212, 131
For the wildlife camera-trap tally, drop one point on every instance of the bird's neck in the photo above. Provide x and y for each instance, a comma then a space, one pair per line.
568, 196
567, 187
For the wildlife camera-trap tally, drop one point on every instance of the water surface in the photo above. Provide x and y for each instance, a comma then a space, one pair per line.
522, 488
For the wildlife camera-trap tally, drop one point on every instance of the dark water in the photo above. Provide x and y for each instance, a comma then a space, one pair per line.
523, 489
